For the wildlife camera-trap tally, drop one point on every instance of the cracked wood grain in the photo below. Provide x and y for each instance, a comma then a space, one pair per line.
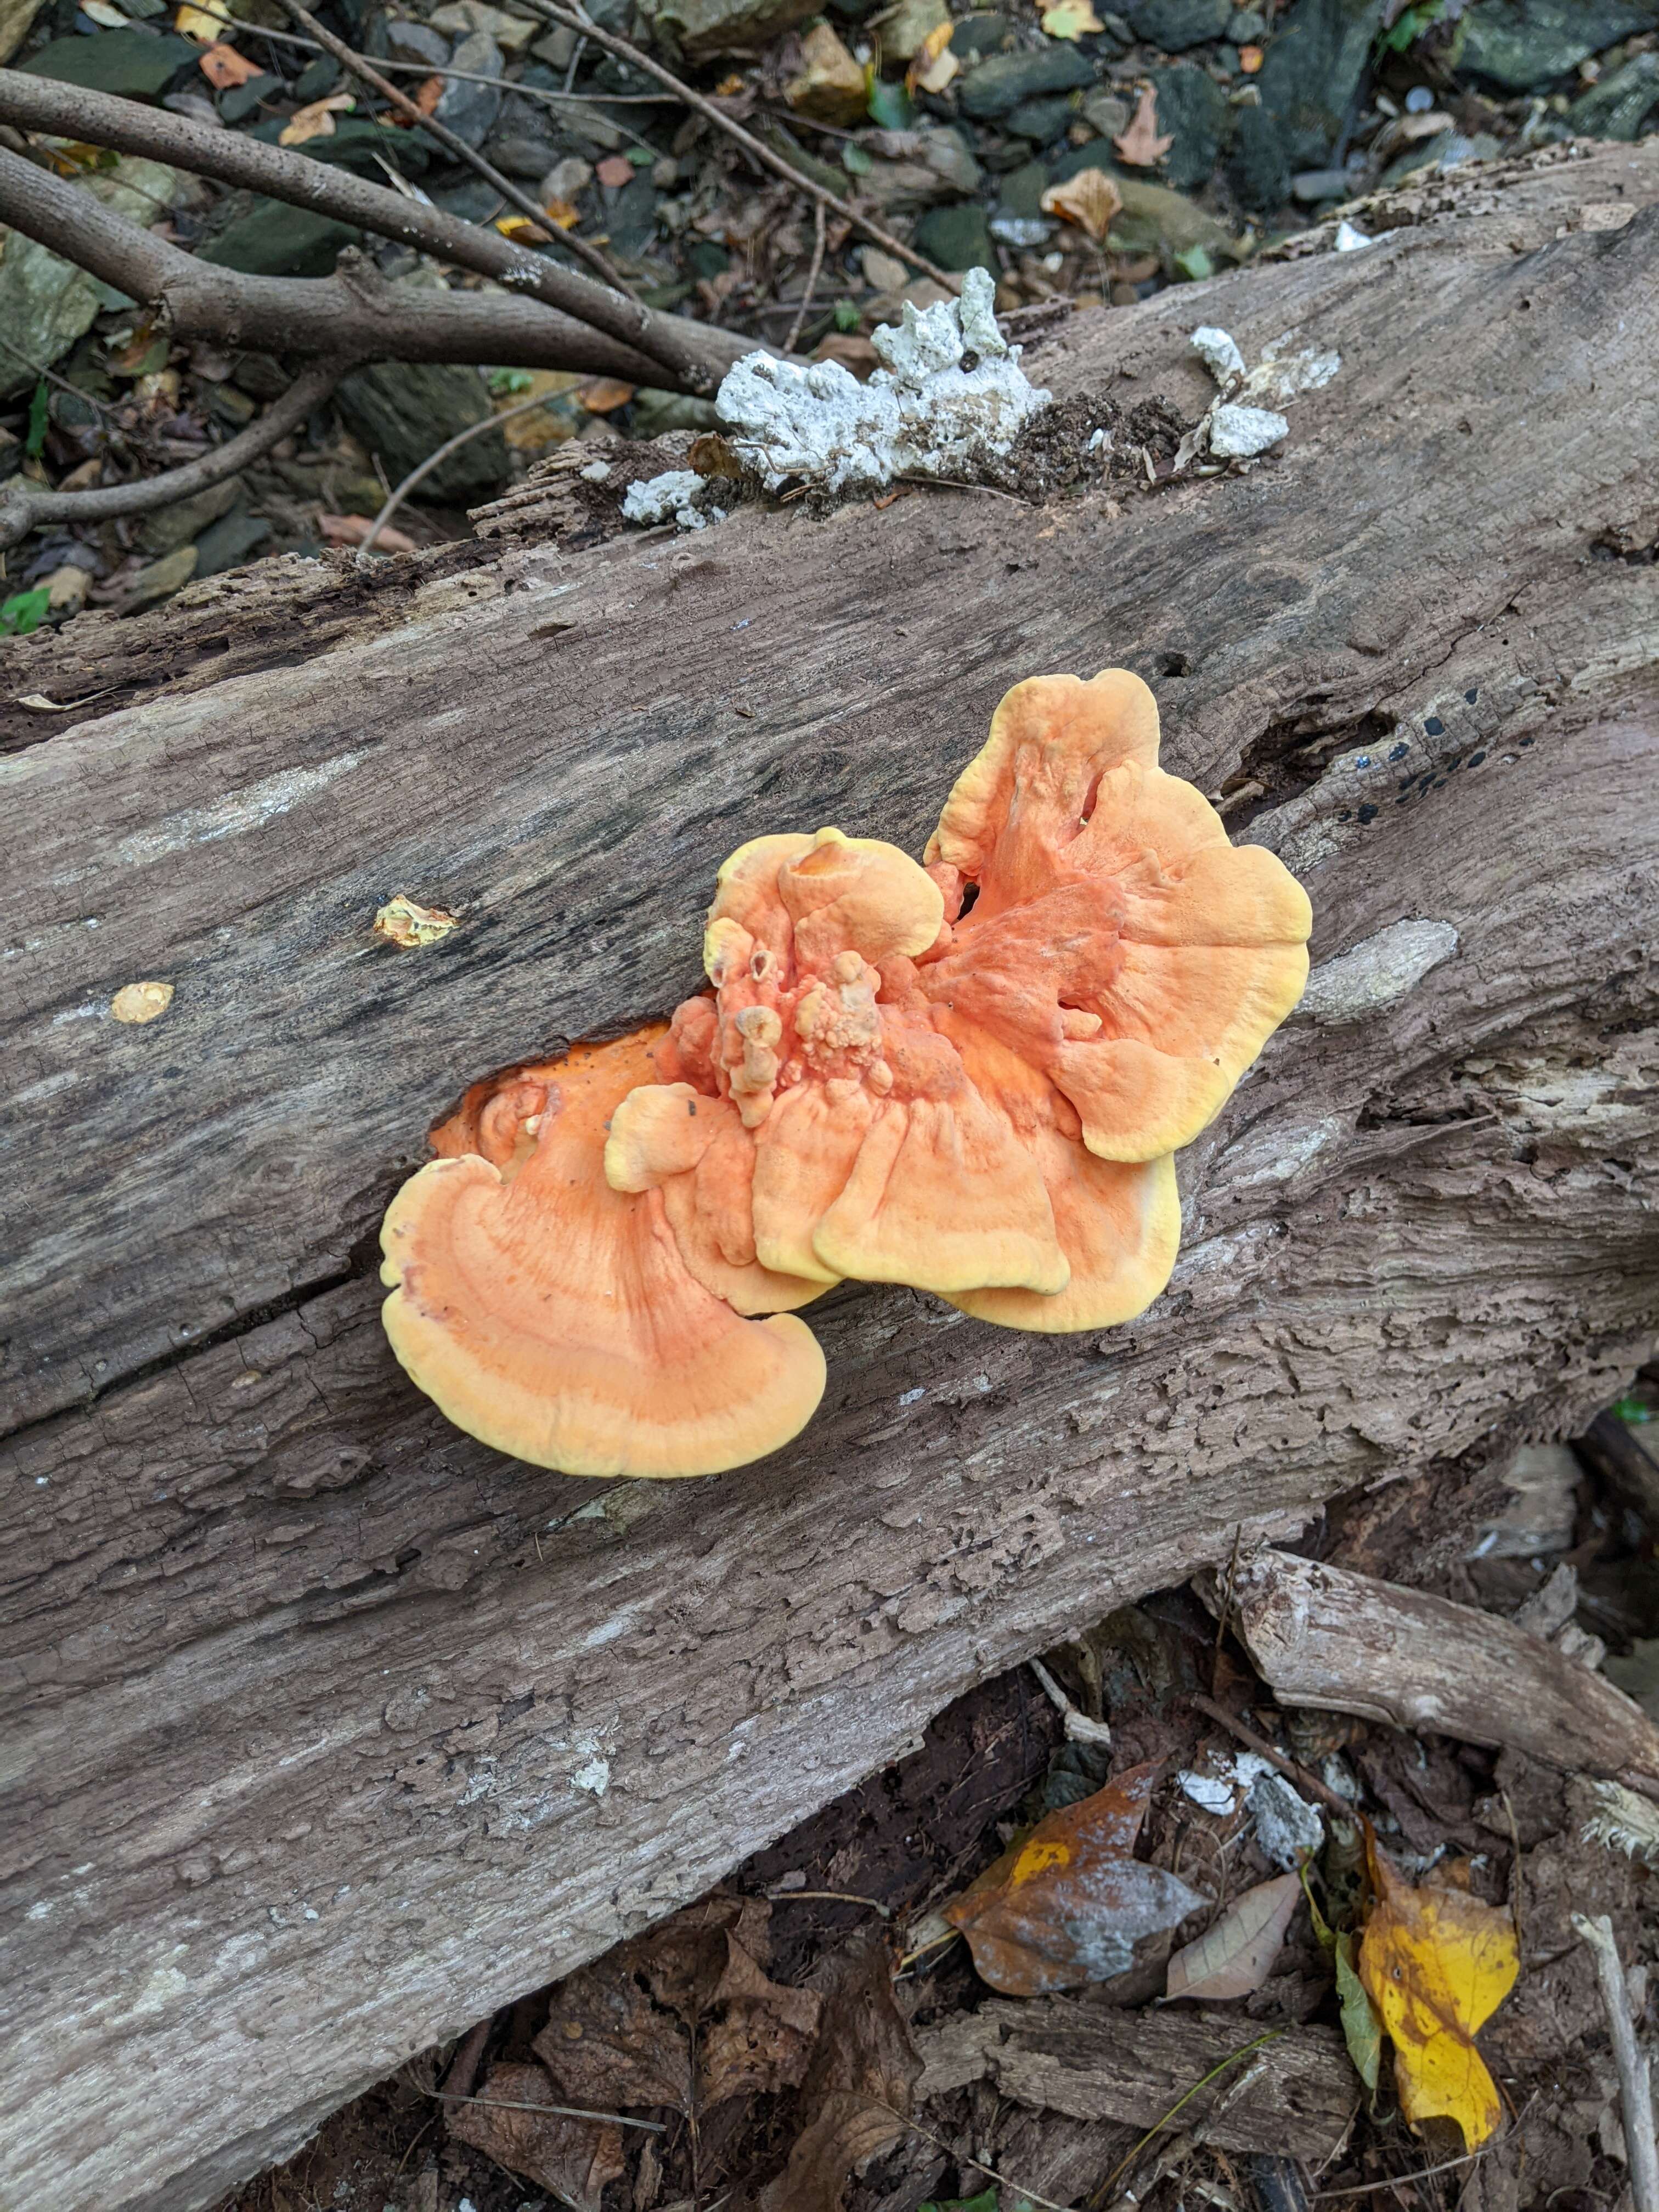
330, 1729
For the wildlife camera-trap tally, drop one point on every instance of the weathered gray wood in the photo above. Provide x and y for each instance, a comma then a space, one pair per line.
1296, 2096
1348, 1643
310, 1693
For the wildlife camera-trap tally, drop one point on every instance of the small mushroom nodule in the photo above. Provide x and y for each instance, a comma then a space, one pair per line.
967, 1074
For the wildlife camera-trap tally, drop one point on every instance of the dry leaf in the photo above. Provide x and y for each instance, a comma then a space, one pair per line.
353, 529
1436, 1963
934, 65
604, 395
205, 24
138, 1003
426, 95
616, 171
575, 2159
1250, 59
316, 121
1069, 1905
110, 18
1071, 19
624, 2030
404, 921
223, 67
1235, 1956
1141, 145
1090, 199
857, 2091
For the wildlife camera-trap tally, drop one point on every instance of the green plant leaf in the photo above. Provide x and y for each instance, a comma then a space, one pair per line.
987, 2200
848, 317
37, 431
1361, 2029
1194, 264
856, 161
890, 105
25, 610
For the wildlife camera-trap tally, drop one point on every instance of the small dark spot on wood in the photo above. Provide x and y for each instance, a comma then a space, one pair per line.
1472, 696
1434, 726
1368, 812
1527, 741
1475, 759
1174, 663
1400, 751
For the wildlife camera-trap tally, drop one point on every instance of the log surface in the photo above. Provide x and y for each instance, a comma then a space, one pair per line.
328, 1728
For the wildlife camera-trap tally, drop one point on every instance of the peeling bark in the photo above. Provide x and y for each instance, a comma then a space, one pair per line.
333, 1728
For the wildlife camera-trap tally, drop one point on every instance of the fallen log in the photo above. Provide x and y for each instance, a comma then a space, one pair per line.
330, 1729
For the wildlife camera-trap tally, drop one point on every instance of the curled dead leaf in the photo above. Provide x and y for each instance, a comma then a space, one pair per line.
1437, 1963
575, 2159
224, 68
1235, 1957
138, 1003
316, 121
1090, 199
1141, 145
1071, 1903
404, 921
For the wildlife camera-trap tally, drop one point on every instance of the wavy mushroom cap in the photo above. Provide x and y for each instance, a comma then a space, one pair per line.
554, 1317
1118, 941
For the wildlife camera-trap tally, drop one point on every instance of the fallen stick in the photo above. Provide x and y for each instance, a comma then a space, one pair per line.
1345, 1643
1635, 2081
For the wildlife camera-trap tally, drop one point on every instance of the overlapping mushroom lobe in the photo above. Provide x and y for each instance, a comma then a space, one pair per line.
554, 1317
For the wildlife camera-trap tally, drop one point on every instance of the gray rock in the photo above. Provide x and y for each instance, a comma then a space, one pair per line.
656, 413
1523, 43
1042, 121
518, 153
588, 127
1193, 110
470, 110
1245, 26
416, 43
975, 36
1107, 111
1177, 24
1309, 186
1093, 154
1022, 190
947, 154
1259, 166
996, 87
271, 238
45, 304
170, 527
1312, 72
160, 580
404, 410
631, 221
229, 542
957, 238
1618, 106
704, 27
137, 61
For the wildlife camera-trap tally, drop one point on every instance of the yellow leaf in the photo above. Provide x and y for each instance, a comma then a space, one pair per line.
201, 23
1436, 1963
316, 121
1071, 19
934, 64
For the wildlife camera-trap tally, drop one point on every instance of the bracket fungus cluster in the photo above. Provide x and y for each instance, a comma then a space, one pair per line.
968, 1075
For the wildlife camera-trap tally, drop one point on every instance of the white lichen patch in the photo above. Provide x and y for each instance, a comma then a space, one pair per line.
670, 497
950, 399
1378, 972
1244, 418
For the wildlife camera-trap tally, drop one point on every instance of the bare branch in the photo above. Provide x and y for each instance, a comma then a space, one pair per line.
691, 357
456, 148
355, 315
24, 507
574, 19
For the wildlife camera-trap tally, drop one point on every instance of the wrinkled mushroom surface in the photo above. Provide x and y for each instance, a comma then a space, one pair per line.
554, 1318
968, 1076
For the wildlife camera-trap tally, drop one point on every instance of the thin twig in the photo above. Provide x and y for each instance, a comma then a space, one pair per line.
572, 19
1635, 2081
24, 507
349, 59
1081, 1727
396, 498
1299, 1775
829, 1897
52, 377
1226, 1608
565, 2111
804, 308
1401, 2180
977, 2165
1097, 2196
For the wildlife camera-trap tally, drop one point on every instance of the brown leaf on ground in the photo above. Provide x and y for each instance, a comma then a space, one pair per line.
223, 67
1090, 199
623, 2031
572, 2158
1071, 1904
1235, 1957
616, 171
1141, 145
352, 529
857, 2092
426, 95
316, 121
605, 394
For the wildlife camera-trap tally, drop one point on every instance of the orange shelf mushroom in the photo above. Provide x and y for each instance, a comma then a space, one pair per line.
968, 1076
